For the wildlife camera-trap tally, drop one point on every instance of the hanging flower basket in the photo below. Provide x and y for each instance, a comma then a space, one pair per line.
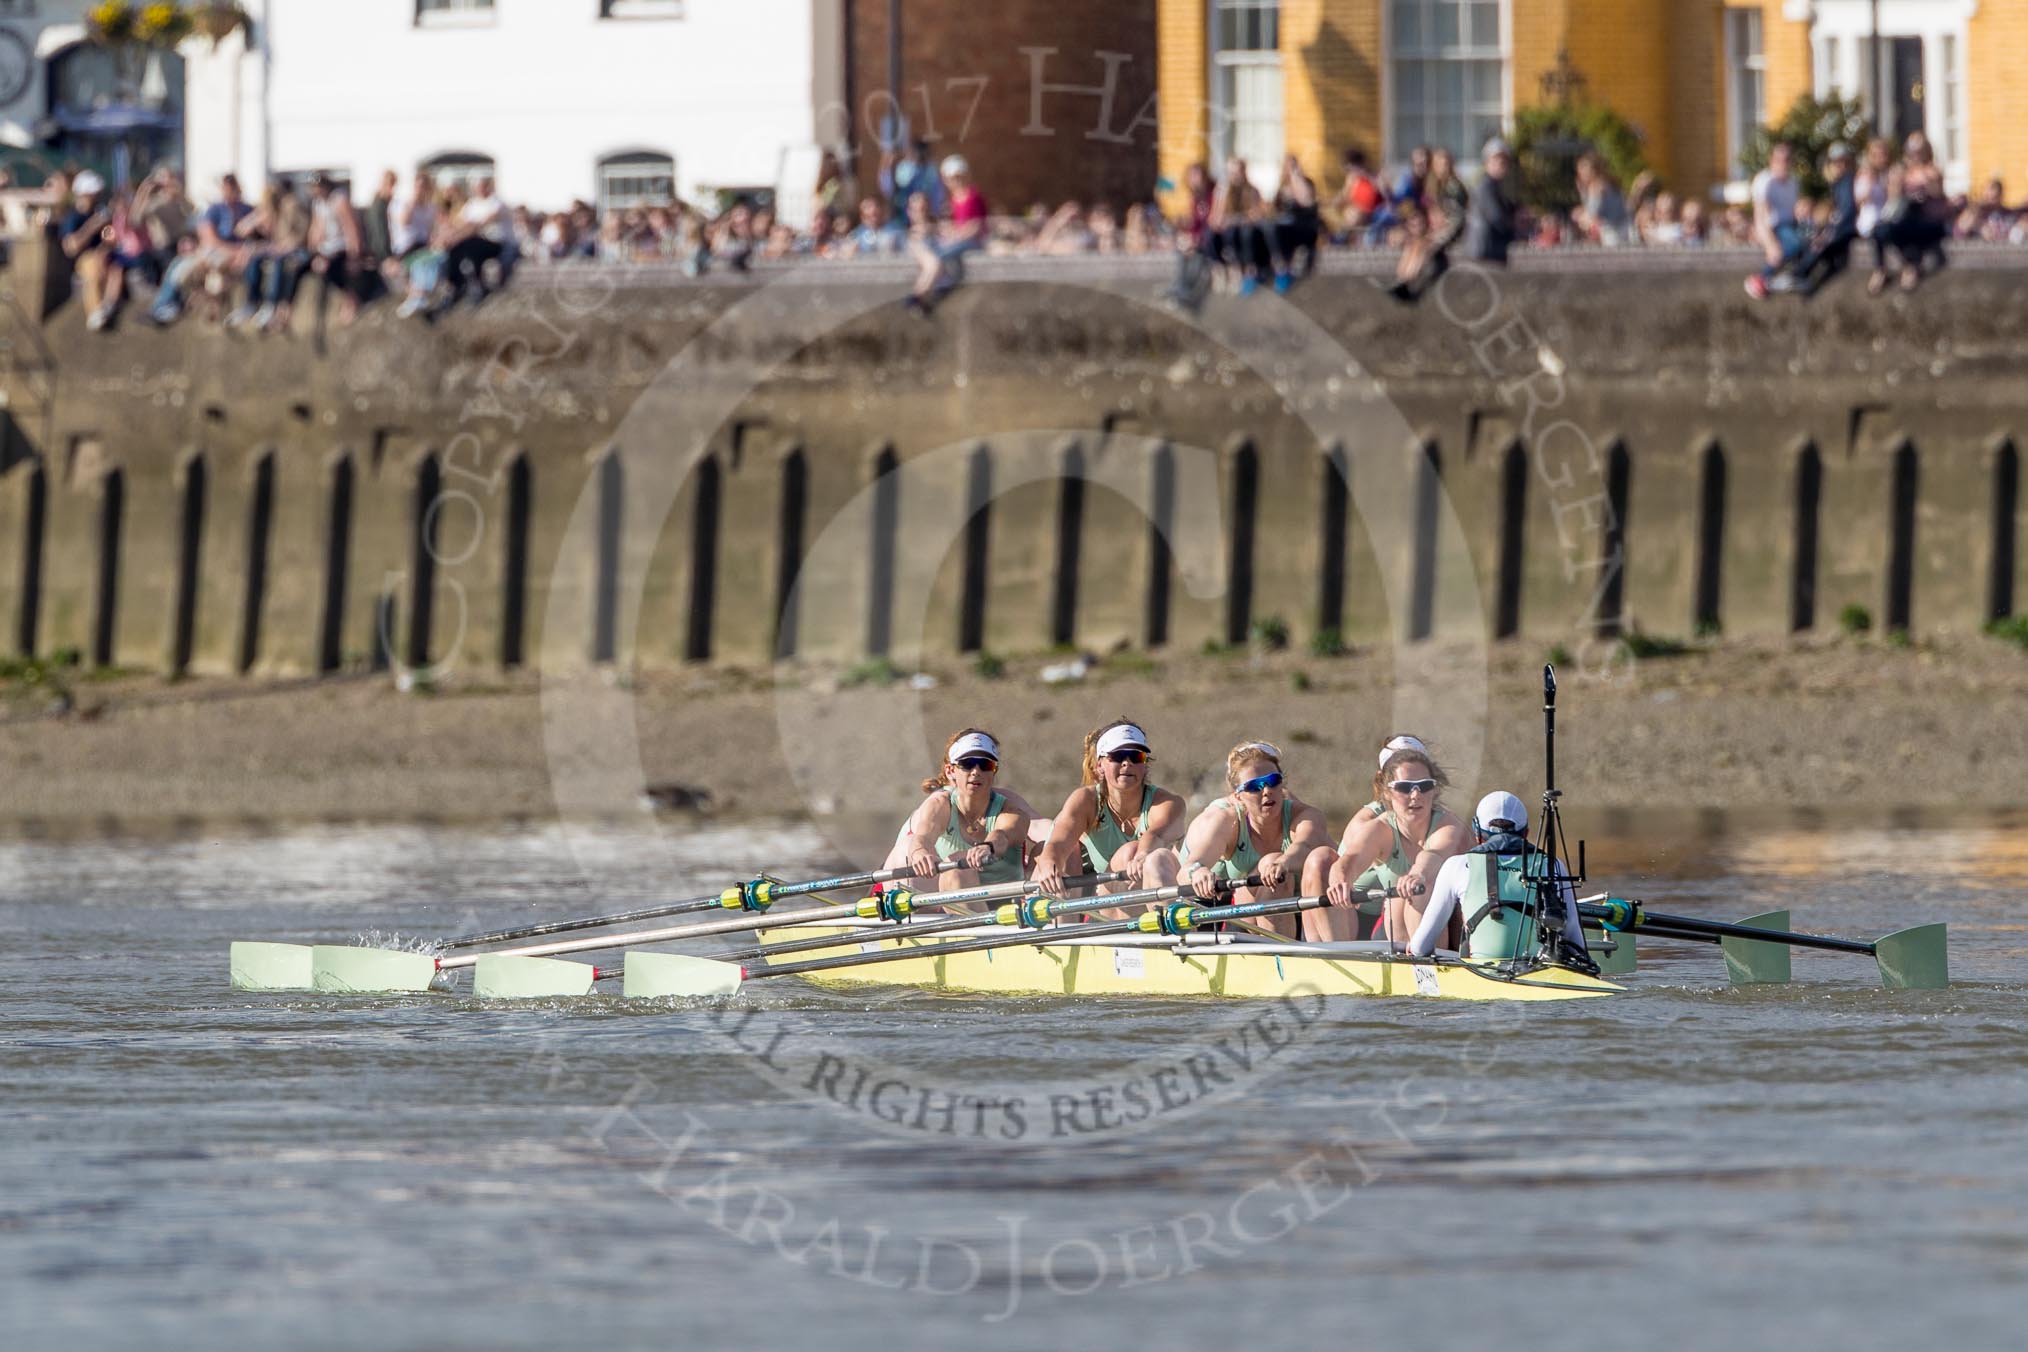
161, 24
219, 21
111, 22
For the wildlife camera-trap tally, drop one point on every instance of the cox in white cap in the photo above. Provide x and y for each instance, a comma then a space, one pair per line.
1501, 811
1118, 737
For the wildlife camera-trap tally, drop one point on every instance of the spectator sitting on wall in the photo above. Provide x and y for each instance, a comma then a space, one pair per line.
1919, 220
1696, 231
282, 224
1775, 229
205, 266
1296, 225
1428, 256
1831, 244
373, 225
335, 244
82, 234
1197, 243
1066, 233
1240, 218
481, 237
1363, 207
943, 261
163, 214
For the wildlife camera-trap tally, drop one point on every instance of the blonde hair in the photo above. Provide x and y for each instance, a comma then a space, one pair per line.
1091, 739
1407, 756
1247, 752
936, 780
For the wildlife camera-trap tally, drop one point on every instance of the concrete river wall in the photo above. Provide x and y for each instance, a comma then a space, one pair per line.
617, 467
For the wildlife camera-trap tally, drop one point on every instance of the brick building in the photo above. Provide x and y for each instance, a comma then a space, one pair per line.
1258, 77
1048, 99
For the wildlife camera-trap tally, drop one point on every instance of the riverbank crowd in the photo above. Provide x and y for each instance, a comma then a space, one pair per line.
436, 240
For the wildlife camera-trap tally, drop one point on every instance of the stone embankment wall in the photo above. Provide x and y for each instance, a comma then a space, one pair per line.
613, 467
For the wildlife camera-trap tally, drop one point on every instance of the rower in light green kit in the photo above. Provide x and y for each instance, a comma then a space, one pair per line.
1261, 829
964, 817
1121, 822
1396, 843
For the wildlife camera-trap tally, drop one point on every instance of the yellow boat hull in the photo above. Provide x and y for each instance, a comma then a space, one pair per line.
1221, 970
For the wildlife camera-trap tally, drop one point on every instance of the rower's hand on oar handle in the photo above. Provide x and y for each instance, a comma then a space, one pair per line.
922, 861
979, 856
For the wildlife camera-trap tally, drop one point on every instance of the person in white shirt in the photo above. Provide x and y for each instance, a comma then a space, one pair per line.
1775, 228
1501, 825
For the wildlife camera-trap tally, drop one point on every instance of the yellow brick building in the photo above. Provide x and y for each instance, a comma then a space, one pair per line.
1311, 77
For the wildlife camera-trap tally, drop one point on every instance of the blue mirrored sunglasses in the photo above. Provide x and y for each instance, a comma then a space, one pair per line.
1266, 781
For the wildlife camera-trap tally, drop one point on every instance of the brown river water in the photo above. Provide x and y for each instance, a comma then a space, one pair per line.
1685, 1166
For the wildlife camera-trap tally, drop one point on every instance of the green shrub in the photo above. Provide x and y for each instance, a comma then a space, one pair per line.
2013, 630
1707, 628
1327, 643
1299, 681
1642, 646
1128, 662
1548, 139
1855, 619
1559, 656
873, 671
1810, 125
1217, 647
988, 666
1270, 632
1898, 638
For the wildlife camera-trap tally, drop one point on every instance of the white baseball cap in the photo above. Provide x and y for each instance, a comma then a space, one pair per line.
954, 165
1402, 743
1120, 735
973, 744
87, 183
1501, 811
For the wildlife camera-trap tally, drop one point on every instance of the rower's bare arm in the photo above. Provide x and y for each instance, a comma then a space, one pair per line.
1072, 821
925, 824
1308, 832
1212, 836
1166, 822
1010, 828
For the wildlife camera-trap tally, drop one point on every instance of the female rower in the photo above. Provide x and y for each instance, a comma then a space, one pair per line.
1397, 842
964, 816
1260, 828
1121, 822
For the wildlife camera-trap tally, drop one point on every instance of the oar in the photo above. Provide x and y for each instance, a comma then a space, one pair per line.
525, 974
1915, 958
346, 967
665, 974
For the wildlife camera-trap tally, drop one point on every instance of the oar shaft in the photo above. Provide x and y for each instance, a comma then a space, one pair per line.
732, 925
1656, 922
716, 901
913, 930
1098, 929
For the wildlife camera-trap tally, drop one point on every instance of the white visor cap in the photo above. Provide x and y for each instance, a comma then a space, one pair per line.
1402, 743
1125, 734
973, 744
1502, 811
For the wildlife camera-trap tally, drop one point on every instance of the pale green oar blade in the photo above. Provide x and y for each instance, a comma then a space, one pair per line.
1750, 962
1914, 959
1620, 961
650, 976
270, 967
369, 971
502, 976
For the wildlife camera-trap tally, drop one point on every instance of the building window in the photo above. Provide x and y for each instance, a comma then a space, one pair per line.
1953, 120
1746, 82
458, 168
1448, 69
640, 9
1246, 71
636, 179
452, 13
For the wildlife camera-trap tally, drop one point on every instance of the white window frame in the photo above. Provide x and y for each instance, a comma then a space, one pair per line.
1224, 120
640, 9
1467, 157
1851, 22
1743, 63
636, 159
455, 13
465, 167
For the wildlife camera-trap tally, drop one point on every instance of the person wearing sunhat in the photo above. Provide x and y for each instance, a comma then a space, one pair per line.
1481, 892
965, 815
1394, 844
1116, 818
1259, 829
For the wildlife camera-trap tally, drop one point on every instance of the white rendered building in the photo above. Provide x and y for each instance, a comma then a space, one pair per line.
603, 100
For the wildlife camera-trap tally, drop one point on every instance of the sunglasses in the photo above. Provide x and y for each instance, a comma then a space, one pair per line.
1406, 786
1130, 756
1263, 783
986, 763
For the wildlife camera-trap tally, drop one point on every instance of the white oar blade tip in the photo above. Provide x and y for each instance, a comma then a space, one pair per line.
654, 976
270, 967
340, 969
503, 976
